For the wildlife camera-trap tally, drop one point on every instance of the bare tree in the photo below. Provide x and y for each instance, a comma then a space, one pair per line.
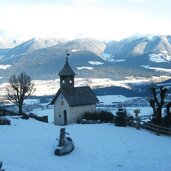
168, 116
157, 103
20, 88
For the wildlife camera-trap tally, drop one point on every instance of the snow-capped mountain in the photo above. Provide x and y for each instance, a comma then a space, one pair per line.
157, 48
133, 56
86, 44
45, 63
31, 45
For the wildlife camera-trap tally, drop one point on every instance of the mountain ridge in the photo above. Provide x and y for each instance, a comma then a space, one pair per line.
133, 56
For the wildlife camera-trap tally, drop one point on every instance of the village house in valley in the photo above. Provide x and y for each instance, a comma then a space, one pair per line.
71, 103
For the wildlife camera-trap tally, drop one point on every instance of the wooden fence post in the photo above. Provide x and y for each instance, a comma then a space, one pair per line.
137, 119
62, 137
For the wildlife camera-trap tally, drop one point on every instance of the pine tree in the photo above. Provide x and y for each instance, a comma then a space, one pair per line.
121, 117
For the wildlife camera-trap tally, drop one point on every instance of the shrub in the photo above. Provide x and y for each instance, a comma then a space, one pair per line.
90, 116
39, 118
165, 121
25, 116
121, 117
1, 167
4, 121
130, 120
103, 116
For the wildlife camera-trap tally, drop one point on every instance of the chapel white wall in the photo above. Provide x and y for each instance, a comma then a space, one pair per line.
74, 114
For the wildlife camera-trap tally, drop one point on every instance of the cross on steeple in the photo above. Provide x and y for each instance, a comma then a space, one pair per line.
67, 55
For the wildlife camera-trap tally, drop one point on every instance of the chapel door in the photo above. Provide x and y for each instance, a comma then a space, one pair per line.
65, 117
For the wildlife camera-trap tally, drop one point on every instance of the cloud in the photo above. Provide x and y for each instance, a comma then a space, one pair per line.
87, 2
69, 22
141, 0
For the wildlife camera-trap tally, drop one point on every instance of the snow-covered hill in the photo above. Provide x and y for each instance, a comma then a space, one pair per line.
29, 145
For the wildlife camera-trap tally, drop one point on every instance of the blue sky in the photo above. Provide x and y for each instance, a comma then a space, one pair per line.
101, 19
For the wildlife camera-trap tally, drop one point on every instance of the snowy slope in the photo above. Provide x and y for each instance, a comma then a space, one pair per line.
160, 57
29, 146
50, 87
157, 68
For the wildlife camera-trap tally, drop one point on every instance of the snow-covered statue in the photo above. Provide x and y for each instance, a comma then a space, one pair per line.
65, 145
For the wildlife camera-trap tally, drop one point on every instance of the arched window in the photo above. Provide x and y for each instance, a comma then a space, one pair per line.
63, 81
70, 81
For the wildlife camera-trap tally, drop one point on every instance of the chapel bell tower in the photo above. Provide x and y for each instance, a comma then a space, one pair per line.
67, 77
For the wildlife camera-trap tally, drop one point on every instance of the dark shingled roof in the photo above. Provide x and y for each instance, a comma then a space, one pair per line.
78, 97
66, 70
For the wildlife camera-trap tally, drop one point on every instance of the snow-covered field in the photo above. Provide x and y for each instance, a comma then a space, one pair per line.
85, 67
110, 99
4, 66
50, 87
156, 68
95, 63
106, 103
28, 145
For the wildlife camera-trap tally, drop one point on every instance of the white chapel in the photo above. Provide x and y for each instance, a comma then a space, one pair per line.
70, 102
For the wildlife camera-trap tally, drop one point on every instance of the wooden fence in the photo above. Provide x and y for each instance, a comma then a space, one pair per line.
4, 112
156, 128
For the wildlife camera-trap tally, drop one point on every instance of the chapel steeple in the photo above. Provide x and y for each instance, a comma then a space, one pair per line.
67, 76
